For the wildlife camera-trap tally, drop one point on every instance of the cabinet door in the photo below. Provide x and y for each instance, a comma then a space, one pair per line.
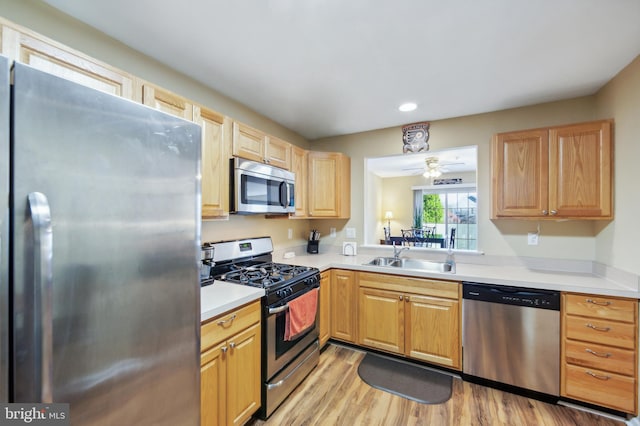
343, 305
216, 142
165, 101
580, 170
381, 320
433, 330
248, 142
299, 159
278, 153
520, 173
243, 375
213, 403
325, 313
47, 55
329, 185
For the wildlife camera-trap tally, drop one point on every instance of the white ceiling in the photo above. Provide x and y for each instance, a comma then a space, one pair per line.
331, 67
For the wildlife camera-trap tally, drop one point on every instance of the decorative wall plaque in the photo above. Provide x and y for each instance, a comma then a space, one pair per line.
415, 137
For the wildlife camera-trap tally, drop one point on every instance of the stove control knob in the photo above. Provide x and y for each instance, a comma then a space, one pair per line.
290, 291
280, 294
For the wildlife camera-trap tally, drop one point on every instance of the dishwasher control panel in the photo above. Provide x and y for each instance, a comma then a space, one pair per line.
508, 295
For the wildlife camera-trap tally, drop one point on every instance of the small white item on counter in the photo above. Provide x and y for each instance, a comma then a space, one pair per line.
349, 248
289, 255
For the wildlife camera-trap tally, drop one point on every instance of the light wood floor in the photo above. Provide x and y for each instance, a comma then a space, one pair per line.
334, 394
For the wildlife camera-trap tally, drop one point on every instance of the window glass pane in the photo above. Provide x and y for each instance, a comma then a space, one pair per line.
454, 211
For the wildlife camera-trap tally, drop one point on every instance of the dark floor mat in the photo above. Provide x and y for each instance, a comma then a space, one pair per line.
406, 380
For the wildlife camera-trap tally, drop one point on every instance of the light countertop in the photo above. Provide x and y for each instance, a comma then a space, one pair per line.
220, 297
518, 276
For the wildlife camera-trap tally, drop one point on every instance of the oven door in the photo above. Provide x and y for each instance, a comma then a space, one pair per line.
280, 352
260, 188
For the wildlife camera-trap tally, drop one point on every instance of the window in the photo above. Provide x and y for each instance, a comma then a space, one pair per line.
448, 211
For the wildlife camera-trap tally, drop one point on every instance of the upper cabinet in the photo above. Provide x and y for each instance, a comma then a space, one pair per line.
278, 153
558, 172
329, 186
299, 159
39, 52
163, 100
216, 143
256, 145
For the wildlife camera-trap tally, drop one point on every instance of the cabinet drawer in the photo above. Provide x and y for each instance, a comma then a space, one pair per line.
604, 332
601, 307
223, 326
607, 389
606, 358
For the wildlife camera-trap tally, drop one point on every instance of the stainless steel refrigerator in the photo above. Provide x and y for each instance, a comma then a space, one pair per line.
99, 249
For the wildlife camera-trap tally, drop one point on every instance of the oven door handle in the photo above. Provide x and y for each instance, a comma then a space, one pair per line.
278, 309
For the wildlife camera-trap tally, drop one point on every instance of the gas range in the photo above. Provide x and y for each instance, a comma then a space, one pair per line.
249, 262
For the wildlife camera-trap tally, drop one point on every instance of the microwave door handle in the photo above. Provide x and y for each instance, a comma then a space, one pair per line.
288, 194
283, 193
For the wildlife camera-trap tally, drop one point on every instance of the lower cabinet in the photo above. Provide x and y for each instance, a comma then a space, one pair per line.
230, 367
324, 307
344, 303
419, 318
599, 351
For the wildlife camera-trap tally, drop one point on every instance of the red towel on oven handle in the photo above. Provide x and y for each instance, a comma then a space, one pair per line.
301, 314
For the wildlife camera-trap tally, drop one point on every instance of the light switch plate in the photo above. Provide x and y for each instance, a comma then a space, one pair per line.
351, 232
332, 232
532, 238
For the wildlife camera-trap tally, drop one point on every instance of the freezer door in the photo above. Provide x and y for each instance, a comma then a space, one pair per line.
4, 229
106, 213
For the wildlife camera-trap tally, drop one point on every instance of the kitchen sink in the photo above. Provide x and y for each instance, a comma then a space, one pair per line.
407, 263
383, 261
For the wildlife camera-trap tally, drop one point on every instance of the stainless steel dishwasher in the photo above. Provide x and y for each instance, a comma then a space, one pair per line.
511, 335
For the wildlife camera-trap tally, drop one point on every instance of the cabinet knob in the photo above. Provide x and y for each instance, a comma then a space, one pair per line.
554, 212
544, 212
406, 298
399, 297
232, 345
224, 349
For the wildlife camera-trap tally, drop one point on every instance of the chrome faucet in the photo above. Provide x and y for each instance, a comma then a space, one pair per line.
396, 252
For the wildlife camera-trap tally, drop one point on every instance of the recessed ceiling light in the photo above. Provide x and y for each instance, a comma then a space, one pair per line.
409, 106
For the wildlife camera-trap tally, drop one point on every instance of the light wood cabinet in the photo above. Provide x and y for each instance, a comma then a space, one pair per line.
299, 158
344, 303
329, 187
28, 47
325, 307
599, 355
557, 172
415, 317
216, 143
166, 101
230, 367
278, 153
255, 145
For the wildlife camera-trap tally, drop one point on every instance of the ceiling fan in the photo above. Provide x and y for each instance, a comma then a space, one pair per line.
433, 167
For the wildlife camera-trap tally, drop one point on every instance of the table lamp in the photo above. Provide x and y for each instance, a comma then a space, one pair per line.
388, 215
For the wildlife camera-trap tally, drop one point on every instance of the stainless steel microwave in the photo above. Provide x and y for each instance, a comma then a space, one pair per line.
258, 188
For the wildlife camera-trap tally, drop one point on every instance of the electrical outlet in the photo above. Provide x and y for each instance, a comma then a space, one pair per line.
351, 233
532, 238
290, 233
332, 232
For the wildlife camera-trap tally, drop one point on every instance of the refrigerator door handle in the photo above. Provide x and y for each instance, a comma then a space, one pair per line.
43, 281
